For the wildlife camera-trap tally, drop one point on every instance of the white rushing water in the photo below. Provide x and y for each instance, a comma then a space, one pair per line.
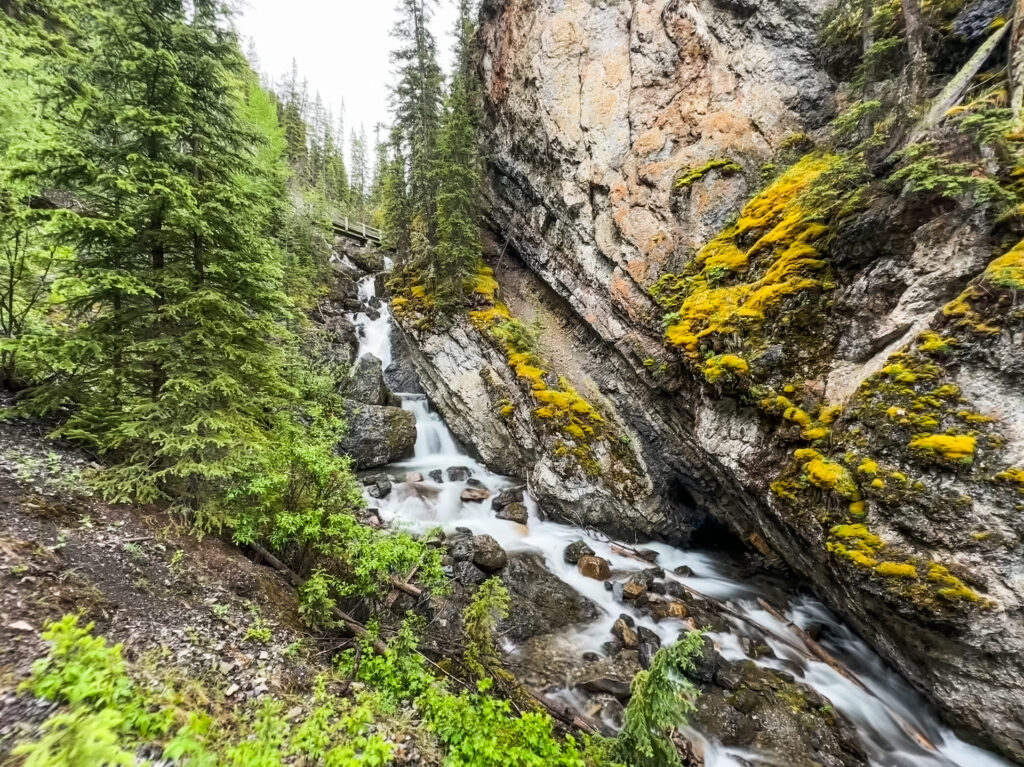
886, 711
374, 334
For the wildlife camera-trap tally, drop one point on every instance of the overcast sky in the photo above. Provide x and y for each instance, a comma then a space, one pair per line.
341, 47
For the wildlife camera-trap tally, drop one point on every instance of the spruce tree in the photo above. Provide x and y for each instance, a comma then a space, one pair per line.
416, 103
359, 172
457, 254
174, 358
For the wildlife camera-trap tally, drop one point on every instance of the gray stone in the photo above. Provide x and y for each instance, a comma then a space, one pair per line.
507, 497
378, 436
515, 512
459, 474
488, 554
577, 550
366, 382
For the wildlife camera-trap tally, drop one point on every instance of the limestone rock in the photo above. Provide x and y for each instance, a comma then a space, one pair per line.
366, 382
475, 495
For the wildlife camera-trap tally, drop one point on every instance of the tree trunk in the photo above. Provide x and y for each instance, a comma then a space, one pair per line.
914, 23
867, 15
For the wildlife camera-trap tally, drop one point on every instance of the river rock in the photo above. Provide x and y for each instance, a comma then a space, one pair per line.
576, 550
370, 260
650, 643
436, 475
488, 554
665, 609
541, 603
514, 512
619, 688
635, 589
475, 495
507, 497
378, 436
594, 567
414, 476
623, 630
459, 473
380, 489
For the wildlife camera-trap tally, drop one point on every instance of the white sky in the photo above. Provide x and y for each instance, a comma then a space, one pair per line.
341, 47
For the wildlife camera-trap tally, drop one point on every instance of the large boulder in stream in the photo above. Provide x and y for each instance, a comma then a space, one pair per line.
366, 384
378, 435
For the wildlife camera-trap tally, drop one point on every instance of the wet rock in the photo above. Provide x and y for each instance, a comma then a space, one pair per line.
507, 497
684, 570
475, 495
378, 436
669, 609
414, 476
459, 474
650, 643
576, 550
635, 589
367, 259
541, 602
436, 475
488, 554
461, 548
476, 483
468, 574
594, 567
619, 688
514, 512
623, 630
648, 555
366, 382
381, 489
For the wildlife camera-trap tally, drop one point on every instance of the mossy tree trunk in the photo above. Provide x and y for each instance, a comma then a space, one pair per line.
913, 21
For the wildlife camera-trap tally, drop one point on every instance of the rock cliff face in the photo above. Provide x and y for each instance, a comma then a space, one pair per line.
868, 439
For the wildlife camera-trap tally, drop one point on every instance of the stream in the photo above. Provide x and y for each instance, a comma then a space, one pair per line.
884, 712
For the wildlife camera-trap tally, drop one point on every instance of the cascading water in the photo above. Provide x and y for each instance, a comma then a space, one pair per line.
892, 721
374, 334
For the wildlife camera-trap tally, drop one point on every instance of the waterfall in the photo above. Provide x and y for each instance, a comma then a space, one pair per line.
374, 334
886, 711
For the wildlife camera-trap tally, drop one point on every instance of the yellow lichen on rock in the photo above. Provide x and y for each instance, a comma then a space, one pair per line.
896, 570
723, 365
785, 250
1007, 271
950, 448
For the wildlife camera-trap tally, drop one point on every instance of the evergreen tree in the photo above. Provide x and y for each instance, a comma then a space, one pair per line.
359, 172
174, 359
416, 103
457, 254
395, 218
293, 118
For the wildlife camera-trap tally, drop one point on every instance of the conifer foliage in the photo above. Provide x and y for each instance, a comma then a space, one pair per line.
171, 355
431, 185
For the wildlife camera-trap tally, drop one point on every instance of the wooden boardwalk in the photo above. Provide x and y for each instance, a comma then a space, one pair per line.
357, 230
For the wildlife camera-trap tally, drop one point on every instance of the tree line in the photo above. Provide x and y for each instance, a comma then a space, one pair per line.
432, 165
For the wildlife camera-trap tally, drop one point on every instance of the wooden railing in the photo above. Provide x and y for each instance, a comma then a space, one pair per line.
357, 230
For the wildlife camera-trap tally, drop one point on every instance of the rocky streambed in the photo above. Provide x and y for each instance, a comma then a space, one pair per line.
781, 678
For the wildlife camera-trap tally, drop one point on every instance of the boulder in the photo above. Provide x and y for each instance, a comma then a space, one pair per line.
436, 476
669, 609
367, 259
459, 473
650, 643
366, 383
515, 512
488, 554
541, 603
507, 497
576, 550
594, 567
414, 476
623, 630
475, 495
378, 436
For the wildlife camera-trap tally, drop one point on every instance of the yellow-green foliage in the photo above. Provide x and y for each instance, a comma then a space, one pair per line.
869, 467
725, 365
1013, 476
951, 587
896, 570
783, 248
933, 343
484, 284
693, 175
1008, 271
946, 447
832, 476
